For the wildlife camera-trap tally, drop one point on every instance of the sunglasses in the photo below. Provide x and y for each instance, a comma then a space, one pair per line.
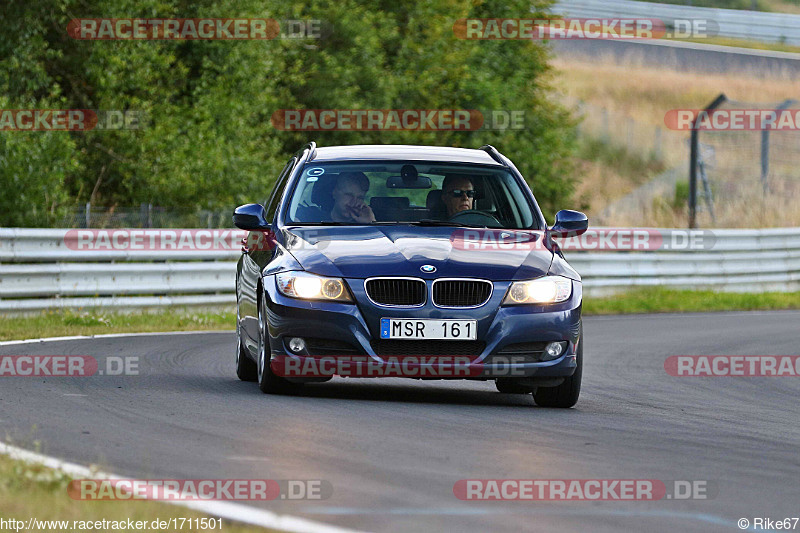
457, 193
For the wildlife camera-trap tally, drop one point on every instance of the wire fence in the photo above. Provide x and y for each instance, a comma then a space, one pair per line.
144, 216
749, 177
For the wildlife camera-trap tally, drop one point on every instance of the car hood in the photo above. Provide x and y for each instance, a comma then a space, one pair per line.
367, 251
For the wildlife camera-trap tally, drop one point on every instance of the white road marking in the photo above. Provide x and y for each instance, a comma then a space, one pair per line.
228, 510
112, 336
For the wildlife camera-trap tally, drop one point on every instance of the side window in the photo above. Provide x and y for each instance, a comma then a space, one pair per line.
277, 192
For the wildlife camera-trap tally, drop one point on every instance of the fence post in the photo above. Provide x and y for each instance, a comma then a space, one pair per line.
87, 213
693, 153
765, 147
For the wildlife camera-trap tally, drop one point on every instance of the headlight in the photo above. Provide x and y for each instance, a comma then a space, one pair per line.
546, 290
311, 287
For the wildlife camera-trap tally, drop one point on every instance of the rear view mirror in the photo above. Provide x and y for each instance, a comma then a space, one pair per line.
398, 182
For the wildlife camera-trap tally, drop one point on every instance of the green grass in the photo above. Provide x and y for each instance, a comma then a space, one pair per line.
628, 164
660, 300
29, 490
646, 300
94, 322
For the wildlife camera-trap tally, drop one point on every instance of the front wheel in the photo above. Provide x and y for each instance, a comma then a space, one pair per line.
245, 367
565, 395
268, 382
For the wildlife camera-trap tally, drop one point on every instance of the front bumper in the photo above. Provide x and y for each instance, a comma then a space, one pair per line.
349, 335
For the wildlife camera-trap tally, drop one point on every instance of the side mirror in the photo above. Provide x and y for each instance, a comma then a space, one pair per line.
250, 217
569, 224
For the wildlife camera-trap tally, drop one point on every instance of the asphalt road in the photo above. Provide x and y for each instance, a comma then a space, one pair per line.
392, 449
690, 57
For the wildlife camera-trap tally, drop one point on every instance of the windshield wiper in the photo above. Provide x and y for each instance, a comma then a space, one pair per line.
434, 222
322, 224
423, 222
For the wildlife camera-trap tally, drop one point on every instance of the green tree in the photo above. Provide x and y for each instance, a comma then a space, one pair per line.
208, 141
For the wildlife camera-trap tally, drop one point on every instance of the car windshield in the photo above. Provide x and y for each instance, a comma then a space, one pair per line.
409, 192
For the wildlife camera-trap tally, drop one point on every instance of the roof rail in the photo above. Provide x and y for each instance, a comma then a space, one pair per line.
492, 151
312, 148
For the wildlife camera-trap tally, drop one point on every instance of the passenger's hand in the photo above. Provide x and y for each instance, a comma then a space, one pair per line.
362, 214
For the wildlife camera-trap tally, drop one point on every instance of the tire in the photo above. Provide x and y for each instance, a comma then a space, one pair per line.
268, 382
510, 386
565, 395
245, 367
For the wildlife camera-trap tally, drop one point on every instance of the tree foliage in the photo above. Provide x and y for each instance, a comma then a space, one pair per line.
208, 141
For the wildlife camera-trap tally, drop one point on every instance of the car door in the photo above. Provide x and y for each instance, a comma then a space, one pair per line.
256, 253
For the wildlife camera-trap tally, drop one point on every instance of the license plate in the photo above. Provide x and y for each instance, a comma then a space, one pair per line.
429, 329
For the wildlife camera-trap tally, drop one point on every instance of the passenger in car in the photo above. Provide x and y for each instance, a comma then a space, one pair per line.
348, 199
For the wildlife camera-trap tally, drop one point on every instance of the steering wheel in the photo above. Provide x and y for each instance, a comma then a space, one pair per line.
476, 218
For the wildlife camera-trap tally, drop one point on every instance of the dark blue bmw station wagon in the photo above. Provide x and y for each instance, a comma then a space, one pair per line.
438, 258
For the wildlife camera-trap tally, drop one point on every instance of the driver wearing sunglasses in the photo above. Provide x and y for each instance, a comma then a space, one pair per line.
458, 194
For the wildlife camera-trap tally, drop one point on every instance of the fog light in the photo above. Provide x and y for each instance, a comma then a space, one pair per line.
297, 345
553, 350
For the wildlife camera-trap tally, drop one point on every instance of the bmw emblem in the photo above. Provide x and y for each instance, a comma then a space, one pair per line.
428, 268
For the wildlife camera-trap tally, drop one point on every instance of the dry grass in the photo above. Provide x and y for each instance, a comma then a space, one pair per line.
625, 104
647, 93
783, 6
617, 170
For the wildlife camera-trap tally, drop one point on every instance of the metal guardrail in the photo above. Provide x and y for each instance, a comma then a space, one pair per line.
738, 24
38, 271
